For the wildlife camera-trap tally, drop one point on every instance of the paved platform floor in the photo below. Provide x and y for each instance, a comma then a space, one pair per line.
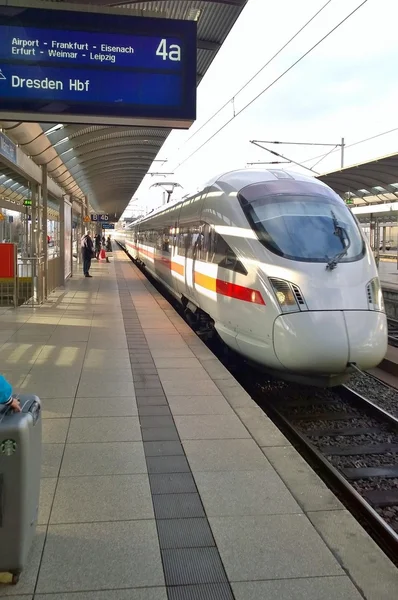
161, 477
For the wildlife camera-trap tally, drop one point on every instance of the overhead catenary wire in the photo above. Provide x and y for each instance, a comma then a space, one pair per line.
271, 84
265, 65
335, 149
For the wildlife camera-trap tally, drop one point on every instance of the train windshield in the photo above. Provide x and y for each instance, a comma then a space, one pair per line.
310, 228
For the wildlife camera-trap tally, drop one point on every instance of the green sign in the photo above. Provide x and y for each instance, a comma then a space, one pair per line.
349, 201
27, 202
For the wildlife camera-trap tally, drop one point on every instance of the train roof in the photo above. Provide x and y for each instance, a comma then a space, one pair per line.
241, 177
237, 179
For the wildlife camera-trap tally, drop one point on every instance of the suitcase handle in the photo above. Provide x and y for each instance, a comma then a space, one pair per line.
31, 406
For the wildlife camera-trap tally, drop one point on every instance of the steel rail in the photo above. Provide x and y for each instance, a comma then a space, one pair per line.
385, 536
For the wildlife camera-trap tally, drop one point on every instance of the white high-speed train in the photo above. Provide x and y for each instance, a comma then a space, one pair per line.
276, 263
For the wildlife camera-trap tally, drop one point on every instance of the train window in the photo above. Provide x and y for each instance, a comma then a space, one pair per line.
230, 261
309, 228
154, 238
202, 245
158, 239
166, 245
223, 255
175, 236
184, 241
195, 240
180, 242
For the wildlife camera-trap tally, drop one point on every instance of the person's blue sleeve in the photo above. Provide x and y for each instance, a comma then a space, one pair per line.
5, 391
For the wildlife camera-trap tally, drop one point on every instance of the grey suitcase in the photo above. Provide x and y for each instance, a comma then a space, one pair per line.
20, 464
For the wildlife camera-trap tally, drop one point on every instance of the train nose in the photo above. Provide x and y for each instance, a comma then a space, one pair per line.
326, 341
368, 337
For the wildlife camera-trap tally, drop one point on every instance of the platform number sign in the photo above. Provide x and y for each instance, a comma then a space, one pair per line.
100, 218
169, 51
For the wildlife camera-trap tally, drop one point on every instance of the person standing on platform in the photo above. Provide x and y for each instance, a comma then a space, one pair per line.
97, 241
87, 253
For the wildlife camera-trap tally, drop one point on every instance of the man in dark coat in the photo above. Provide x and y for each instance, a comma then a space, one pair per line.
87, 253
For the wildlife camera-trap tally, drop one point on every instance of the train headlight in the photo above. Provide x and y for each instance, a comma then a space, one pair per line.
289, 296
375, 295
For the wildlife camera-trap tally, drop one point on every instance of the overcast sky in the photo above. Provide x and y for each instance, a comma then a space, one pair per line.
347, 87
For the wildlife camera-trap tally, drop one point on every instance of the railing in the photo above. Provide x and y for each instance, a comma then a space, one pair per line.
8, 275
30, 283
53, 273
23, 279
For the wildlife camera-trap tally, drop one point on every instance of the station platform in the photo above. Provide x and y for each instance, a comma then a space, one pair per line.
162, 479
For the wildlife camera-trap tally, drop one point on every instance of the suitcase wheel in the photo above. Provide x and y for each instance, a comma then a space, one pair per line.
15, 578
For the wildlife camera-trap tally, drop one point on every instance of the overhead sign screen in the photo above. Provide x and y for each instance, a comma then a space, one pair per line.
92, 68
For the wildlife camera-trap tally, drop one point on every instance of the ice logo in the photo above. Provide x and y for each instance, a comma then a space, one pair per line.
8, 447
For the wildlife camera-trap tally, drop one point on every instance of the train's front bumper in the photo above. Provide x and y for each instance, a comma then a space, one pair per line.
325, 342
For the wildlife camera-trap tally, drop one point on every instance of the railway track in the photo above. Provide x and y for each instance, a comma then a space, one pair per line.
353, 445
392, 332
349, 440
377, 391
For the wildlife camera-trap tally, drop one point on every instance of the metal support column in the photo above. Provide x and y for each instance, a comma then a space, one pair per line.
80, 230
33, 249
342, 152
25, 246
83, 226
62, 242
86, 206
71, 237
372, 232
377, 241
44, 228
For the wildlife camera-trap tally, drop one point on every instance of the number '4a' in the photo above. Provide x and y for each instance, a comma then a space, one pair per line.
171, 52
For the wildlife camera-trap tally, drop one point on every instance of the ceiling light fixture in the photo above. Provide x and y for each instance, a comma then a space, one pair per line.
55, 128
194, 14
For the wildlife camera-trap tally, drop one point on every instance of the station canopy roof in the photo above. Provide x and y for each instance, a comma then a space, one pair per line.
373, 182
13, 187
108, 163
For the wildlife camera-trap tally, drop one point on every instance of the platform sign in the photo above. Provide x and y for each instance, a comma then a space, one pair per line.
108, 226
8, 148
82, 67
100, 218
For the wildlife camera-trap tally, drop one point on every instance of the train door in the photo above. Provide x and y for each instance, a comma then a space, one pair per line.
187, 236
177, 261
188, 232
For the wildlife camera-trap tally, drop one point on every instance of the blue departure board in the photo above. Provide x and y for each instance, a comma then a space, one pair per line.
91, 67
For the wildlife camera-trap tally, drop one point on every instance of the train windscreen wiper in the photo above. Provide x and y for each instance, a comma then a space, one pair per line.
343, 236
